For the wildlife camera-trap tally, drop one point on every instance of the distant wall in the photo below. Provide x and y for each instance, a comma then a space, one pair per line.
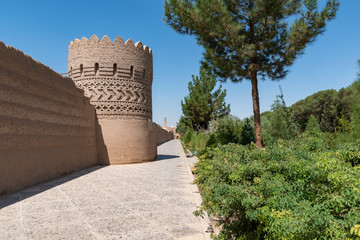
47, 126
163, 135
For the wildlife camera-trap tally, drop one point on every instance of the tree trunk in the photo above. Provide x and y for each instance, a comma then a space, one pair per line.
256, 109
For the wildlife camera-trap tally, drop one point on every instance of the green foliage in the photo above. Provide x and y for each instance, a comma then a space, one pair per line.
187, 137
247, 132
282, 192
250, 38
198, 141
299, 187
183, 125
231, 129
350, 152
212, 140
323, 105
355, 107
344, 124
355, 231
278, 124
195, 140
203, 102
240, 37
228, 130
312, 126
329, 115
334, 111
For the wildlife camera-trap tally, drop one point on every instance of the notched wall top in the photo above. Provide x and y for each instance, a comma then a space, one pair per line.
118, 42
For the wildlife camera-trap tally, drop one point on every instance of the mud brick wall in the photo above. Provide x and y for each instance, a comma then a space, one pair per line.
47, 125
163, 135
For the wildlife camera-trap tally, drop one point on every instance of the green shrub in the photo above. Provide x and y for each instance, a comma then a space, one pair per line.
278, 123
187, 136
198, 141
228, 130
281, 192
247, 132
212, 140
350, 152
231, 129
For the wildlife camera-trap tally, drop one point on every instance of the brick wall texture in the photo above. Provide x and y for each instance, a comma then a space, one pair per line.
47, 125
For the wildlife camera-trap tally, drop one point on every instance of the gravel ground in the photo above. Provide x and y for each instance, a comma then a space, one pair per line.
153, 200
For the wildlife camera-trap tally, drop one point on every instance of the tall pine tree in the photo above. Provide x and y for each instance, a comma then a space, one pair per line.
203, 102
245, 39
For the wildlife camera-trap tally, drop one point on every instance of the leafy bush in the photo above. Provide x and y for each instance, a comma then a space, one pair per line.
183, 125
247, 132
228, 130
350, 152
231, 129
212, 140
278, 123
187, 137
195, 140
281, 192
198, 141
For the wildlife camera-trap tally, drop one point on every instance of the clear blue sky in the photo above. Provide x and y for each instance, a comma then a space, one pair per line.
44, 28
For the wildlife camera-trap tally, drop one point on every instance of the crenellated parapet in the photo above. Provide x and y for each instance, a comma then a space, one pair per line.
117, 76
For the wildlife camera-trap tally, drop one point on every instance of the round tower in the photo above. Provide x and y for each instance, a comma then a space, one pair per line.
117, 77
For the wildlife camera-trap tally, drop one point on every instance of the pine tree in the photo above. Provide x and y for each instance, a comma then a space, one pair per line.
244, 39
183, 125
312, 126
247, 133
324, 105
203, 102
280, 124
328, 119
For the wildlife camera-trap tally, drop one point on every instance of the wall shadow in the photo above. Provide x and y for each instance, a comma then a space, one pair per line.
161, 157
161, 143
14, 197
102, 152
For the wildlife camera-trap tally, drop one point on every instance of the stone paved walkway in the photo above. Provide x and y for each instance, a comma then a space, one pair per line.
138, 201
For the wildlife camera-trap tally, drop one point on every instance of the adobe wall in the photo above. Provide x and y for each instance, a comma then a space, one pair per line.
117, 77
47, 125
127, 141
163, 135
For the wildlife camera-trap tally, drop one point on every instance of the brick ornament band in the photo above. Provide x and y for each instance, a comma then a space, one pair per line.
116, 76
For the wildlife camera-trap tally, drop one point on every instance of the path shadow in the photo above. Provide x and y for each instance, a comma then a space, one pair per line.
161, 157
9, 199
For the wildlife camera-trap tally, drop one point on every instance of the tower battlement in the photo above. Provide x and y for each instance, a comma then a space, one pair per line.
117, 76
105, 41
92, 57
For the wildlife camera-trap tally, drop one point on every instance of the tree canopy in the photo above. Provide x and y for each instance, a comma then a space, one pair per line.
204, 103
244, 39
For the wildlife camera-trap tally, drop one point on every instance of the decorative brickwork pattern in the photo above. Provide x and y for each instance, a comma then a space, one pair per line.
116, 97
116, 76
